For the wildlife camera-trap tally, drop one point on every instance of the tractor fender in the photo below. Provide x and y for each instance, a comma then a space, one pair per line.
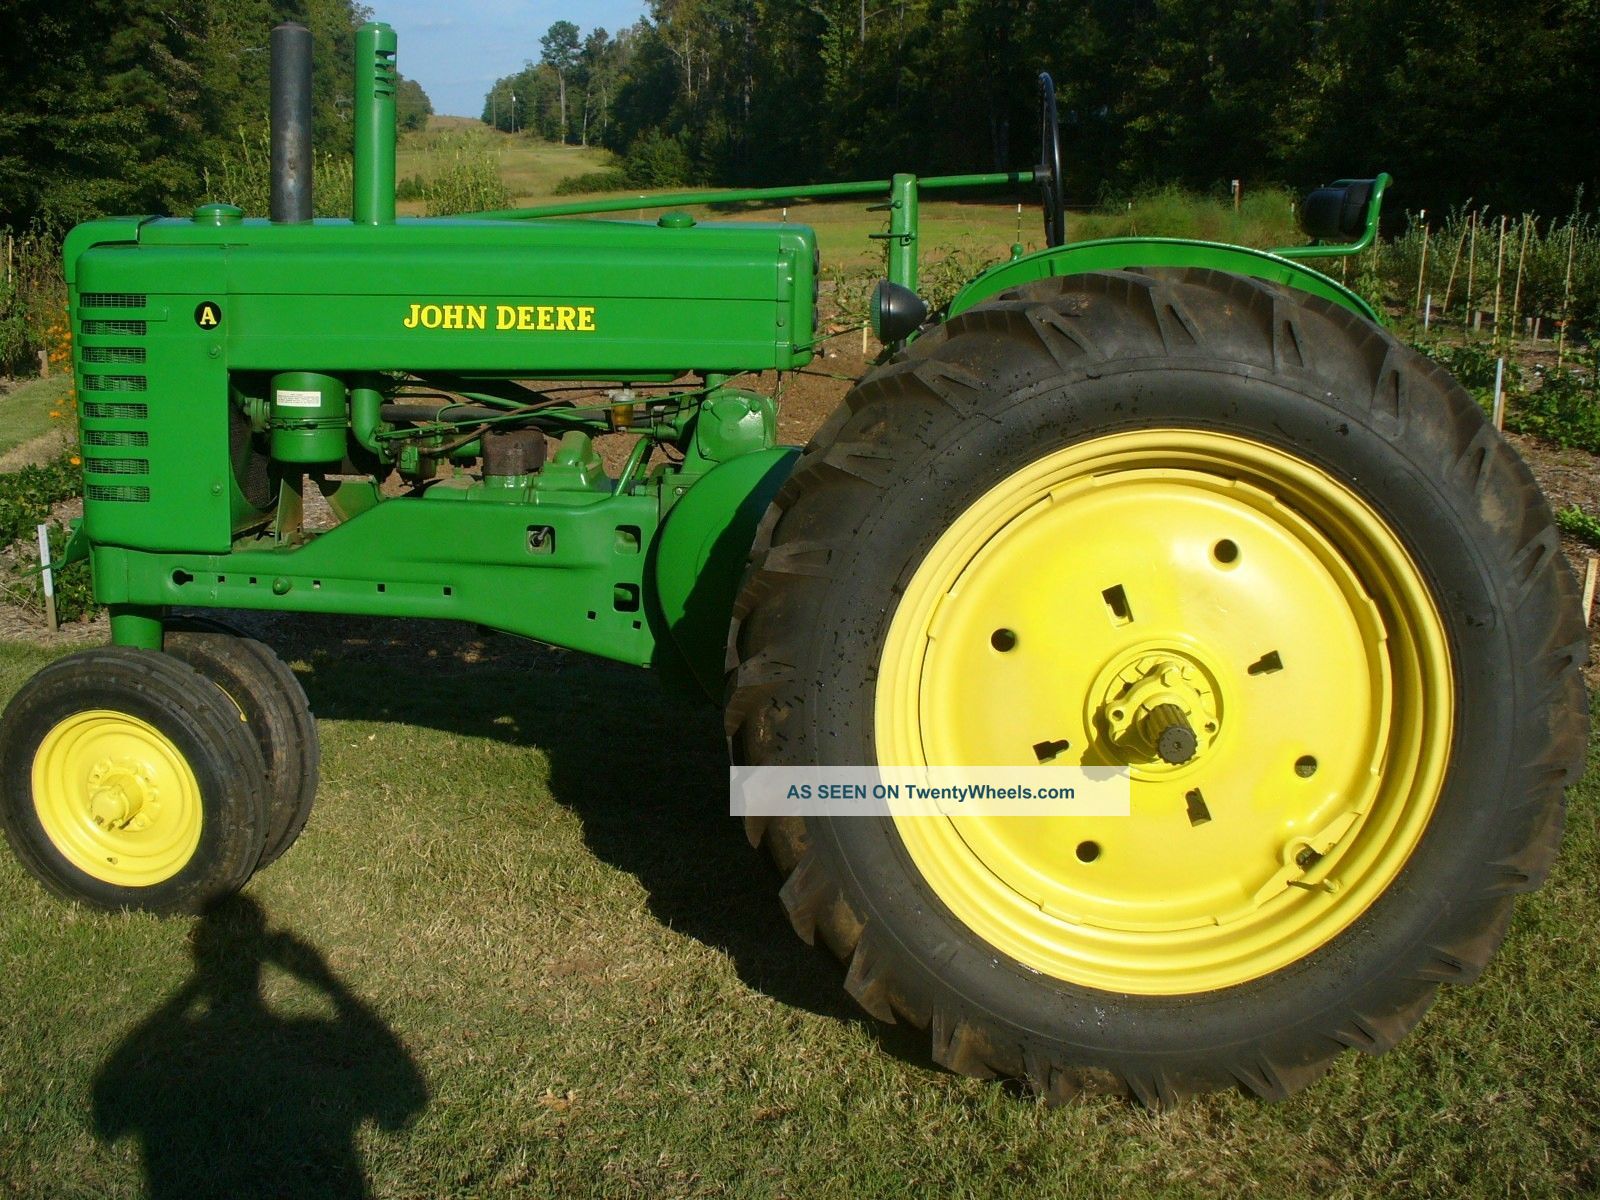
1121, 254
700, 557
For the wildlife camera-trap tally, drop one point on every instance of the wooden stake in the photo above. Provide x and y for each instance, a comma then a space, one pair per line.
1522, 261
1422, 264
1499, 273
1566, 294
1454, 263
1591, 570
1472, 262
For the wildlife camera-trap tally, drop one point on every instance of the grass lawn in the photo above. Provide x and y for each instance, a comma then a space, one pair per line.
25, 412
523, 939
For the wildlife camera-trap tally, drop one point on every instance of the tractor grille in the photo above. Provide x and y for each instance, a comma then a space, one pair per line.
113, 300
94, 411
113, 354
114, 328
99, 492
120, 466
115, 437
114, 383
112, 424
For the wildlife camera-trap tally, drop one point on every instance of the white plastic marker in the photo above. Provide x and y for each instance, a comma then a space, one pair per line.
1588, 587
46, 575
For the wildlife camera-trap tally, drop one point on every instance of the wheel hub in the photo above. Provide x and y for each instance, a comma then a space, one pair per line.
121, 794
116, 798
1158, 711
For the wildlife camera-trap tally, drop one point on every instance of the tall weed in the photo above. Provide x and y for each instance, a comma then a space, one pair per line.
1264, 218
467, 180
243, 177
33, 301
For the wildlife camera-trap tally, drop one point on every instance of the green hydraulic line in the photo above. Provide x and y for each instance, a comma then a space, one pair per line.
630, 469
736, 195
992, 179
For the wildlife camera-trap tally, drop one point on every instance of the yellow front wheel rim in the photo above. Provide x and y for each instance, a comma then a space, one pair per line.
117, 798
1070, 612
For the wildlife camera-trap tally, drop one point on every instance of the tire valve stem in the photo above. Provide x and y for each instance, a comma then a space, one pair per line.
1307, 858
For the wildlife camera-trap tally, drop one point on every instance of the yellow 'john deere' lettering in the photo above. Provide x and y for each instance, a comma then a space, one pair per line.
531, 318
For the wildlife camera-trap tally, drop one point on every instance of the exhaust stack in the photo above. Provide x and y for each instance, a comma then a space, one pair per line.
291, 123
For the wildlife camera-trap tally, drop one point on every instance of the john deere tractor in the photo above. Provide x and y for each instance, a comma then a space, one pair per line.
1111, 486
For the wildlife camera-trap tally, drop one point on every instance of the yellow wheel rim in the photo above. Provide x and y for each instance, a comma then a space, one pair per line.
1073, 609
116, 798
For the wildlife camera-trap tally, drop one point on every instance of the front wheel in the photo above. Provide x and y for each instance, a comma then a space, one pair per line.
129, 781
274, 707
1227, 534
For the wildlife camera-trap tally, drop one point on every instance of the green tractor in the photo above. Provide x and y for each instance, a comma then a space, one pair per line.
1114, 490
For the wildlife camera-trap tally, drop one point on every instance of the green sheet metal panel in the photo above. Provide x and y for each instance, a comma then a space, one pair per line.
152, 399
582, 584
524, 299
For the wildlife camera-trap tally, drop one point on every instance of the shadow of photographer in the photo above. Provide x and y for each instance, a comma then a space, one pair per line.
229, 1097
644, 768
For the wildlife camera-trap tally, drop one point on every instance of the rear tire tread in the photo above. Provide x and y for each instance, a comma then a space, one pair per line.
1061, 327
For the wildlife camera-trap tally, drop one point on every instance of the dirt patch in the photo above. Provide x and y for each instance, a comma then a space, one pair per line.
35, 453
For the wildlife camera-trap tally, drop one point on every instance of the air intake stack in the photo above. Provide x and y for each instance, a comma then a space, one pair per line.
376, 83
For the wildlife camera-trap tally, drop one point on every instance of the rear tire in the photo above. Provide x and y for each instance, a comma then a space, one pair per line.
128, 781
1385, 486
275, 708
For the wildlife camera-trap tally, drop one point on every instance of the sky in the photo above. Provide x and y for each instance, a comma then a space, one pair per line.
456, 53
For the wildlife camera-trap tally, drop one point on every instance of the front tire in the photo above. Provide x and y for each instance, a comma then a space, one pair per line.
1346, 579
128, 781
275, 708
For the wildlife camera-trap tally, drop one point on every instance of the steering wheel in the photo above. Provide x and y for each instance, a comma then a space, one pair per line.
1048, 173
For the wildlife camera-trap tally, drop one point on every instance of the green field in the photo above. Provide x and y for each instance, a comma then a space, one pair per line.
554, 968
984, 228
530, 168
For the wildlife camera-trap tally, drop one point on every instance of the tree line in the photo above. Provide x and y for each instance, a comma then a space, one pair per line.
125, 105
1460, 99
